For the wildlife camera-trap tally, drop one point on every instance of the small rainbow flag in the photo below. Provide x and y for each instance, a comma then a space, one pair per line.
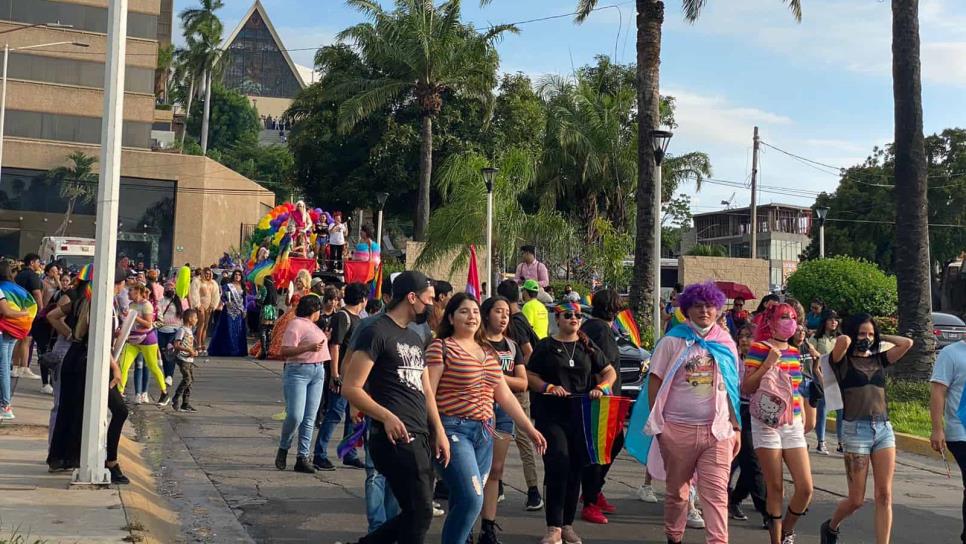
354, 440
602, 420
625, 322
586, 300
19, 300
375, 291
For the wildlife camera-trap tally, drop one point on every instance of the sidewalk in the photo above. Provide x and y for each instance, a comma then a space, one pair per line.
36, 505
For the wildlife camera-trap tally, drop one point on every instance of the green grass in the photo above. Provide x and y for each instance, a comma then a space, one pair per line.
909, 406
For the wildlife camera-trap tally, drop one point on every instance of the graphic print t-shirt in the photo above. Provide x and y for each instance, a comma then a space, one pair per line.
396, 380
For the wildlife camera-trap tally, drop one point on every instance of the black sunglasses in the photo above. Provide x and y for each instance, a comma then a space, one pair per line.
570, 315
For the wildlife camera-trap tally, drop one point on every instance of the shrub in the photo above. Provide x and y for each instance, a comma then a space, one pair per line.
846, 285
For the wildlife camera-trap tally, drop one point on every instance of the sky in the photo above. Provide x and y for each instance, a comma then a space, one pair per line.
820, 89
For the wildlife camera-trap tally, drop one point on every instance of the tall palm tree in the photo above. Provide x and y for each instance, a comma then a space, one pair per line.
421, 50
162, 75
188, 73
650, 18
912, 262
205, 29
76, 183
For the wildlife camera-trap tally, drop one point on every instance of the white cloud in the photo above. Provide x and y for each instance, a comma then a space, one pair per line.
714, 119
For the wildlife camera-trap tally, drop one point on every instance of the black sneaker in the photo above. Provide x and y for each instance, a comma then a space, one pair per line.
118, 477
765, 523
828, 535
280, 459
323, 464
501, 497
735, 512
302, 465
354, 462
163, 399
534, 500
188, 408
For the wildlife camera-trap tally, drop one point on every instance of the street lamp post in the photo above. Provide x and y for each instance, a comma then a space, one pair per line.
489, 174
381, 199
821, 213
659, 142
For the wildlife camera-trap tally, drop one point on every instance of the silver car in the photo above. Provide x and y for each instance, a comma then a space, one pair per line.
948, 329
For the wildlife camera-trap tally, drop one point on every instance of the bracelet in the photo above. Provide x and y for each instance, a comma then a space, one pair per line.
547, 387
605, 389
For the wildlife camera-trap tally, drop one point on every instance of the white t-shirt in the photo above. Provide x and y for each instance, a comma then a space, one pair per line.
337, 234
950, 370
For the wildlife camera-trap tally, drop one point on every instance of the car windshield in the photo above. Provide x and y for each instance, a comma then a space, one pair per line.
75, 261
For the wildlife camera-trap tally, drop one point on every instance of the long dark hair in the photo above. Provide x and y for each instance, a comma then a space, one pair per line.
606, 304
851, 329
445, 328
6, 270
828, 315
487, 307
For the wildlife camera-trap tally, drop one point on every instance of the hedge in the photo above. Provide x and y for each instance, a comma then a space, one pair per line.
846, 285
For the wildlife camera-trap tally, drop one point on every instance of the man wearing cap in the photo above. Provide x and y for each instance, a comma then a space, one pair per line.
534, 310
406, 433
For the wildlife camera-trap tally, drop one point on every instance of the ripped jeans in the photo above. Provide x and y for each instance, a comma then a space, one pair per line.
471, 456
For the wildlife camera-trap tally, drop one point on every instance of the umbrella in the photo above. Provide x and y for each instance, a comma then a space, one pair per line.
734, 290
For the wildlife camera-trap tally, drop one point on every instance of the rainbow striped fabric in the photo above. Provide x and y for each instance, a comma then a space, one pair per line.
790, 363
602, 420
625, 322
19, 300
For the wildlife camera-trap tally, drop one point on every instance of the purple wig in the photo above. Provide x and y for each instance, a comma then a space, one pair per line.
706, 292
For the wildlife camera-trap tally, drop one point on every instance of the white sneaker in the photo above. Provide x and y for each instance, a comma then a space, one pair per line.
6, 413
646, 493
138, 398
168, 380
147, 398
47, 388
15, 371
437, 511
695, 521
25, 372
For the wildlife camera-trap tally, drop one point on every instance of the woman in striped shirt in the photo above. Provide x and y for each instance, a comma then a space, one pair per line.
782, 436
467, 376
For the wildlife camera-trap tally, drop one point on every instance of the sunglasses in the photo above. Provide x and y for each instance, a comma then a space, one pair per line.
571, 315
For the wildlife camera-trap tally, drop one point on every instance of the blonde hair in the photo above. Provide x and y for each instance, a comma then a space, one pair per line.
304, 277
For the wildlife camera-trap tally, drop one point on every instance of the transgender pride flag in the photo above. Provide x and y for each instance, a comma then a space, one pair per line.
473, 278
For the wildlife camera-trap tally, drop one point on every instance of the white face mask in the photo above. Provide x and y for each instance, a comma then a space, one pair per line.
703, 331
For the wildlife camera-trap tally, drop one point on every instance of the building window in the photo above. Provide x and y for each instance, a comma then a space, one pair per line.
83, 73
71, 128
89, 18
256, 66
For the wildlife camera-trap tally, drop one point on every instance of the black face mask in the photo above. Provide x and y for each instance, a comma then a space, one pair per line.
423, 317
863, 344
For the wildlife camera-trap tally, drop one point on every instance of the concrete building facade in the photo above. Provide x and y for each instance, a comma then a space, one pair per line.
174, 208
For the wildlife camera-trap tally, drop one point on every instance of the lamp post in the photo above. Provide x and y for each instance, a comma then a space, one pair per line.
381, 199
659, 142
821, 213
489, 174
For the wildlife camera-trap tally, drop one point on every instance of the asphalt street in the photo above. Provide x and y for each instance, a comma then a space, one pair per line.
216, 466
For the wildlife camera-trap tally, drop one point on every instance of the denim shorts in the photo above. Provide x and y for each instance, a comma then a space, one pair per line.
865, 436
503, 424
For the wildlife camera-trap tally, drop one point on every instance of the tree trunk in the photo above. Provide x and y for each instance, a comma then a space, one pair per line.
207, 113
187, 112
912, 214
650, 17
62, 231
425, 175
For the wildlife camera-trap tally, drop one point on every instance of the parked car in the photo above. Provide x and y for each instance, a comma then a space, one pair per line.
948, 329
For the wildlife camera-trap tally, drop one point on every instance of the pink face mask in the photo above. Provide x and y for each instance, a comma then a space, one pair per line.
784, 328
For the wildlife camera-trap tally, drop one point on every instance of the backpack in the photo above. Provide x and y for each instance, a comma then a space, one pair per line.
771, 403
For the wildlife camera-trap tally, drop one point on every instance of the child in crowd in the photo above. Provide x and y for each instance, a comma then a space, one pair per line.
185, 353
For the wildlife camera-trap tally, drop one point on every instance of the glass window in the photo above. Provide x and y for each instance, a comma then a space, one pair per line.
256, 66
71, 128
89, 18
46, 69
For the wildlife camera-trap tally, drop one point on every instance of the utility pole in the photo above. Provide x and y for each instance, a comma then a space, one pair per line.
754, 197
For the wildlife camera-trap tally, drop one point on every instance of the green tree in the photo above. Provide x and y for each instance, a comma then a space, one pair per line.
650, 19
421, 50
234, 119
519, 116
269, 165
76, 182
708, 250
202, 32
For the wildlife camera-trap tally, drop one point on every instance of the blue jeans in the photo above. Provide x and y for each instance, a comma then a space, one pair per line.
820, 421
140, 375
168, 363
381, 504
867, 436
838, 425
471, 456
337, 408
6, 356
302, 385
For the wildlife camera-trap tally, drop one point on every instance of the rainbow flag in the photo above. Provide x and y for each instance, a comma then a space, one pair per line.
625, 322
602, 420
19, 300
354, 440
677, 318
375, 291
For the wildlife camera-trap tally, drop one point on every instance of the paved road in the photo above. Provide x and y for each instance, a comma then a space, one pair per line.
217, 465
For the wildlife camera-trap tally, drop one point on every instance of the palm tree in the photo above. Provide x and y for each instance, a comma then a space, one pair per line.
650, 18
162, 75
421, 51
202, 32
77, 183
912, 262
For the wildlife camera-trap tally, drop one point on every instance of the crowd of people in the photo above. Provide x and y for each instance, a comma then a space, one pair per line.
435, 384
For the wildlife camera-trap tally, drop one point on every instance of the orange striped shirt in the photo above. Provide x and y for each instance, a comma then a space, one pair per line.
467, 385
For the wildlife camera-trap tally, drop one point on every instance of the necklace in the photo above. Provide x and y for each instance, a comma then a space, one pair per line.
572, 352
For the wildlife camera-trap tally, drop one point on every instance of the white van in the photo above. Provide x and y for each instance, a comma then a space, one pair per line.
69, 250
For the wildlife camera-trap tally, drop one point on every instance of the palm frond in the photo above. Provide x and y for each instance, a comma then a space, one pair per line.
584, 8
376, 95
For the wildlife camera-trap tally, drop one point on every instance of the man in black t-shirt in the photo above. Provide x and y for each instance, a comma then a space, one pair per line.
30, 279
340, 327
386, 381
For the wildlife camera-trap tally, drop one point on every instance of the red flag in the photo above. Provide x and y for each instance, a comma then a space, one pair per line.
473, 277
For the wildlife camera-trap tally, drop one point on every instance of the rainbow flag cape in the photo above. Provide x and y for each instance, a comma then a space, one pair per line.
602, 420
375, 291
625, 322
19, 300
354, 440
586, 300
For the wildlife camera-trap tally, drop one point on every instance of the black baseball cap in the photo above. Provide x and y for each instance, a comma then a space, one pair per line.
409, 281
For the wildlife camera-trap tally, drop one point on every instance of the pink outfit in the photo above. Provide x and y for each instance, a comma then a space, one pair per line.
695, 449
533, 271
691, 399
301, 331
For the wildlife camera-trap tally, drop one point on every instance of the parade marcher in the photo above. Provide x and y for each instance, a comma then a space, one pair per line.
444, 290
773, 374
41, 330
520, 331
168, 322
530, 268
142, 341
605, 306
813, 320
305, 349
268, 311
946, 403
466, 374
495, 313
406, 432
693, 398
204, 297
8, 289
29, 278
750, 480
342, 325
230, 338
300, 287
534, 310
337, 238
367, 249
867, 434
564, 365
184, 352
823, 341
72, 319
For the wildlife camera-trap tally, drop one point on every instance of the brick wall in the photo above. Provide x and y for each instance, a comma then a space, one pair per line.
752, 272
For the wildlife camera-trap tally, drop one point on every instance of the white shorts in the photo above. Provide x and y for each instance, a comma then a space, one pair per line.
786, 437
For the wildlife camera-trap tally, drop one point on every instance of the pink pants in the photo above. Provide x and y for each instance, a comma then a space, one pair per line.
687, 449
